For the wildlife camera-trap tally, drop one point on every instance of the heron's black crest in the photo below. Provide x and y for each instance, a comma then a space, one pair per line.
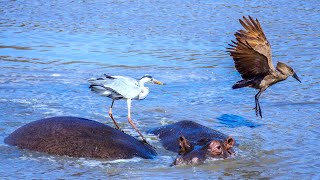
109, 77
146, 76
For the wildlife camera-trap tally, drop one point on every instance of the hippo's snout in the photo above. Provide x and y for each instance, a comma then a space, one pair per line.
214, 149
218, 149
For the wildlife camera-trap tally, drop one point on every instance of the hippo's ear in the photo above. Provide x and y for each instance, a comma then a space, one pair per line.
229, 142
184, 146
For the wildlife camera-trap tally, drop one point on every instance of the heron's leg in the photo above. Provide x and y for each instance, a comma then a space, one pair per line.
111, 116
131, 122
257, 108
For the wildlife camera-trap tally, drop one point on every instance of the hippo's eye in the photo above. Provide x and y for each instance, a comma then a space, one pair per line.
218, 147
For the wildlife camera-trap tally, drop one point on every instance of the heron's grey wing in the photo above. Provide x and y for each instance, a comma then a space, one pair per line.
256, 38
126, 86
249, 63
98, 85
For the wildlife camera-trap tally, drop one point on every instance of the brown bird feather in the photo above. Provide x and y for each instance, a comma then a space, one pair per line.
251, 51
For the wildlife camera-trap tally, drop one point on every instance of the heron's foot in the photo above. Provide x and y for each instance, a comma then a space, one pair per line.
119, 129
146, 143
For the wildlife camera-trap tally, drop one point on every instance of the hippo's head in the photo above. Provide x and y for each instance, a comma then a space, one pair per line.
188, 154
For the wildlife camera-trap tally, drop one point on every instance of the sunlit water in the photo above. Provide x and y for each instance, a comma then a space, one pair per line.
48, 50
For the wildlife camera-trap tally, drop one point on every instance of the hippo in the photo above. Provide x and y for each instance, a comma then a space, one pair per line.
78, 137
188, 154
193, 142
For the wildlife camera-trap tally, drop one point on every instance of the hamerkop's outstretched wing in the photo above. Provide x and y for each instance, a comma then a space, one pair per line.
252, 51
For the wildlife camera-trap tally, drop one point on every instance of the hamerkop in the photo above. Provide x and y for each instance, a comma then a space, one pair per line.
252, 57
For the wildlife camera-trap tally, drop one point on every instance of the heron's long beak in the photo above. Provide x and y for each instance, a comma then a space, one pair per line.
154, 81
296, 77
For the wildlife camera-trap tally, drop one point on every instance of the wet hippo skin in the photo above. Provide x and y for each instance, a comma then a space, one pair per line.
78, 137
194, 142
196, 134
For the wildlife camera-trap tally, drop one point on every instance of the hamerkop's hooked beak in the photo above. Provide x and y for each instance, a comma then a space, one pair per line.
296, 77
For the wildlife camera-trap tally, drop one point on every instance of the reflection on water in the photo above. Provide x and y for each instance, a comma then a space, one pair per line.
48, 50
16, 47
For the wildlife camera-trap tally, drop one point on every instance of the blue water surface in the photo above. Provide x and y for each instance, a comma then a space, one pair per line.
48, 50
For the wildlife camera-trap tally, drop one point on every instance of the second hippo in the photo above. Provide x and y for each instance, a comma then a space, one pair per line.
194, 142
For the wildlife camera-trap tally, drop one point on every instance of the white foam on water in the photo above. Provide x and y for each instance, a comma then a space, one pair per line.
210, 160
55, 75
164, 121
20, 101
91, 163
135, 159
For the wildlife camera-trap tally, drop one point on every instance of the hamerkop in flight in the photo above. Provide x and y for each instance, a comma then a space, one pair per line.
252, 58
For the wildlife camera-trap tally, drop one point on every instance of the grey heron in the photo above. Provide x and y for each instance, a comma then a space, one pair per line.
122, 87
252, 57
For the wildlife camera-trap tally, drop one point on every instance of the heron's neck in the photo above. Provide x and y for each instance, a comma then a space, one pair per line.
142, 81
144, 90
144, 93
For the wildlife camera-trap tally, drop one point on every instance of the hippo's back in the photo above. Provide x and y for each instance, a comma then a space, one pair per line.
196, 133
78, 137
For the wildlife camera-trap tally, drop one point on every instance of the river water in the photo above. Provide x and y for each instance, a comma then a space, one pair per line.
48, 50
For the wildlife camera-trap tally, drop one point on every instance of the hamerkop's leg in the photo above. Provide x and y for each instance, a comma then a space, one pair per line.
257, 108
